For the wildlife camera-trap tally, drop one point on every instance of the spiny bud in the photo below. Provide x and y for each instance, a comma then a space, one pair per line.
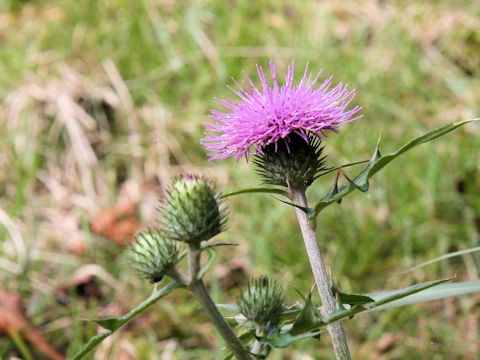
191, 211
293, 162
261, 301
152, 254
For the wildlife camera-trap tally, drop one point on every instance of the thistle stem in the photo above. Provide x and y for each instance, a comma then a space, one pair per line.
198, 289
322, 279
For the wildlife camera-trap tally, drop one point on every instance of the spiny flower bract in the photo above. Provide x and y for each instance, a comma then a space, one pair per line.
152, 254
192, 210
294, 162
262, 301
267, 114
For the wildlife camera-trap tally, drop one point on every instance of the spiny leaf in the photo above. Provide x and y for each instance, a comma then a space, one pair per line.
305, 319
256, 190
328, 171
284, 340
112, 324
306, 210
396, 295
378, 162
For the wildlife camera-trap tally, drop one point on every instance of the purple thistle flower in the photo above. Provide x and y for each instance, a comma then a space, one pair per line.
266, 115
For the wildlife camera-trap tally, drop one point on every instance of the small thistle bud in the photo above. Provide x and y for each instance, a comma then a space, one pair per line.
191, 212
152, 254
293, 162
261, 301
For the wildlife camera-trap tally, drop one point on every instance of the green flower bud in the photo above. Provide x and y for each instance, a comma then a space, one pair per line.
261, 301
293, 162
191, 211
152, 255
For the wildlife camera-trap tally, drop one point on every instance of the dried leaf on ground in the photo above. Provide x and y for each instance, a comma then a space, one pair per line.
118, 223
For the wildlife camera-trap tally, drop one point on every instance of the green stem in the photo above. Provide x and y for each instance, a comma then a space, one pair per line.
320, 274
234, 344
198, 288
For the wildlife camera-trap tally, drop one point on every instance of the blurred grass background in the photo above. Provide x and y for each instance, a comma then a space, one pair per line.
103, 102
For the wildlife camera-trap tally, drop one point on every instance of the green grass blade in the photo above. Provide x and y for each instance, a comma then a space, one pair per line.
440, 258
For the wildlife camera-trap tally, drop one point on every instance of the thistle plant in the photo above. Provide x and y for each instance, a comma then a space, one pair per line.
283, 128
284, 124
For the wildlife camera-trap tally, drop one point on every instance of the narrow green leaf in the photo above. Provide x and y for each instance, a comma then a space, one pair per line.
112, 324
354, 299
212, 256
256, 190
378, 162
436, 293
396, 295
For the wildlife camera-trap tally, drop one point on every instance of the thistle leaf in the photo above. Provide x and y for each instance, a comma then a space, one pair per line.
393, 296
377, 162
436, 293
306, 210
285, 339
353, 299
305, 319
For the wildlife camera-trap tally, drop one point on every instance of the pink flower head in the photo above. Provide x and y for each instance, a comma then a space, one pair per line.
266, 115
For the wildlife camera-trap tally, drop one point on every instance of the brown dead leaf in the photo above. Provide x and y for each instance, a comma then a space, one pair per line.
13, 319
118, 223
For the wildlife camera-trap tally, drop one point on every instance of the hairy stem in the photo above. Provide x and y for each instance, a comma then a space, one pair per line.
322, 279
198, 289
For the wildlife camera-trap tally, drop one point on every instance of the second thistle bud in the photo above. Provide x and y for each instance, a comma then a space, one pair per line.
262, 301
152, 255
192, 211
